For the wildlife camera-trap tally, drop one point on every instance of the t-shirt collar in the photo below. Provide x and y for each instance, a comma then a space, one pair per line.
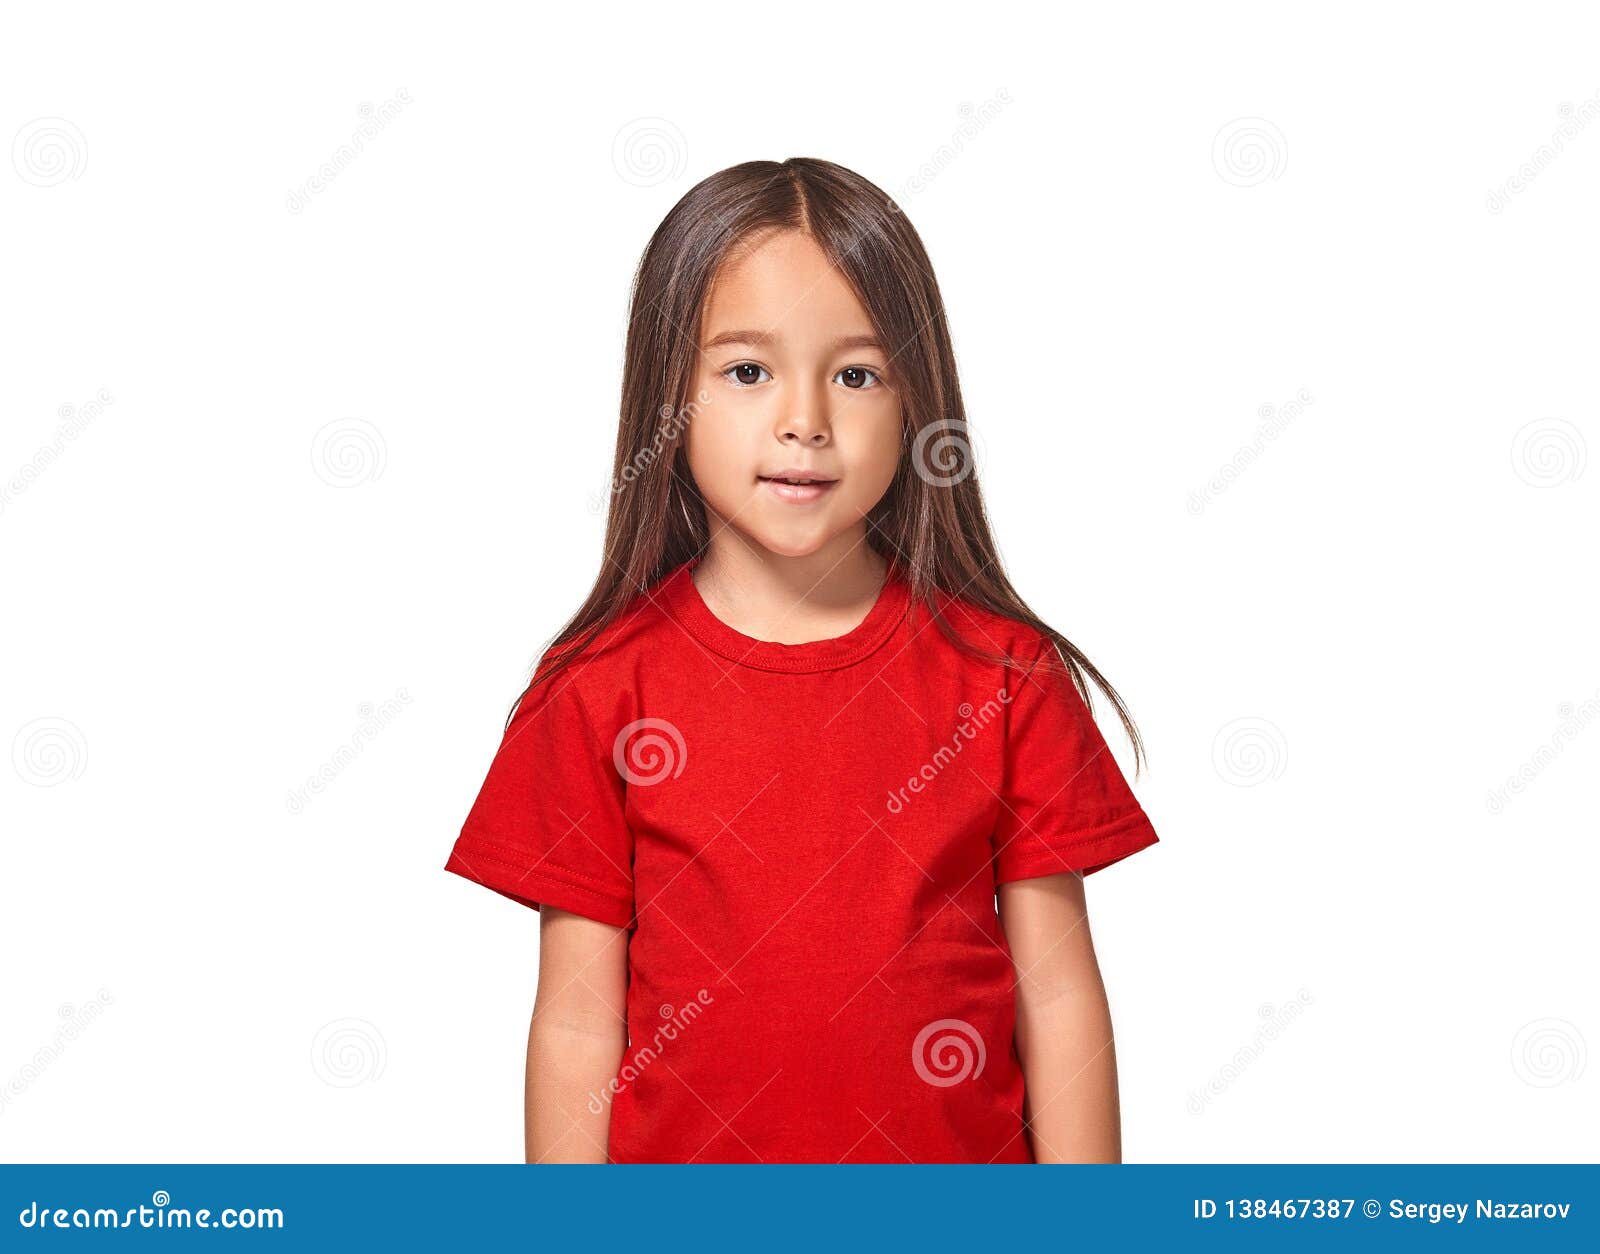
688, 607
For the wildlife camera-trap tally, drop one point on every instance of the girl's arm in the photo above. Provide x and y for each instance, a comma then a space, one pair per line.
1069, 1065
577, 1038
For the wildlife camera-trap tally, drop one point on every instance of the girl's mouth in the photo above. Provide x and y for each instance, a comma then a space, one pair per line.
797, 489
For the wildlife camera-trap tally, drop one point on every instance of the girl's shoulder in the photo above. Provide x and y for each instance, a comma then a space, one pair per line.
615, 644
988, 629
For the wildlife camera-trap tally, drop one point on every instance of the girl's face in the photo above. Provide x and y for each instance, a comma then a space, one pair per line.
798, 388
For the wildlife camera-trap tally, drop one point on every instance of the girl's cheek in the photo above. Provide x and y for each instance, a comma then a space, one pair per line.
881, 447
719, 454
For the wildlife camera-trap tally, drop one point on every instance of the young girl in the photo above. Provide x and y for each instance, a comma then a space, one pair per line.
805, 793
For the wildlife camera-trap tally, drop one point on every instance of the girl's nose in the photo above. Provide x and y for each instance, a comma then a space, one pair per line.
806, 419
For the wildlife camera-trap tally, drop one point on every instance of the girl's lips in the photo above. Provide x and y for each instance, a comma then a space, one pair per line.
798, 493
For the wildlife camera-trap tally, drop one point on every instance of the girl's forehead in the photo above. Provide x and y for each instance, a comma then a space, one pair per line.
783, 284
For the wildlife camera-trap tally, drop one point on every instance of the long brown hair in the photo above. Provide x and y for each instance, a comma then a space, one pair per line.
931, 521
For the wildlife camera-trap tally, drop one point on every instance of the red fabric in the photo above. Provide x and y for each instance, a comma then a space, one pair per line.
806, 841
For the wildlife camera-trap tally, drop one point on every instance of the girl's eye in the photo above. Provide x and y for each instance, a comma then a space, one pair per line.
746, 374
858, 377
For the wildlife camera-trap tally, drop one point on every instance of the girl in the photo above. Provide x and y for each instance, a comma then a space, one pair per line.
804, 792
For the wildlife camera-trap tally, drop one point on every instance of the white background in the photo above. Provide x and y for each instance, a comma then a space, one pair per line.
1149, 224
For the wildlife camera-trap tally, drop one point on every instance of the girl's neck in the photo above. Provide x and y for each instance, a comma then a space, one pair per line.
790, 600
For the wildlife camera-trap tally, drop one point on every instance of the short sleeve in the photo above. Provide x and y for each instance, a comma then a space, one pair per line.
548, 826
1066, 805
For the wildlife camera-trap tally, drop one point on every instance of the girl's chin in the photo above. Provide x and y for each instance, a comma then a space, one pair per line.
787, 541
787, 547
782, 530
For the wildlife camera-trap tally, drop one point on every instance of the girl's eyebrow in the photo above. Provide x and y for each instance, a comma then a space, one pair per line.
762, 339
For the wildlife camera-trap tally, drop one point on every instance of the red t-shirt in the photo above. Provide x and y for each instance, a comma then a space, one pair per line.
805, 841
